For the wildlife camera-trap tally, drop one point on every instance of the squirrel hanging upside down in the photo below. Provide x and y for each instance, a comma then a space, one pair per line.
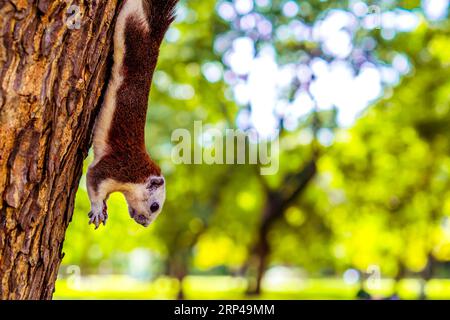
121, 163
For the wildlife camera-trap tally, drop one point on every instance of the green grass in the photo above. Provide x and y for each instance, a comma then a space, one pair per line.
208, 287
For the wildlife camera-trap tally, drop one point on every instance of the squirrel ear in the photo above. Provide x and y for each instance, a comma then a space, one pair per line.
155, 182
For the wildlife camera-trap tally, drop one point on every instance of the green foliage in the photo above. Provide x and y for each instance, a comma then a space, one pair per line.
380, 195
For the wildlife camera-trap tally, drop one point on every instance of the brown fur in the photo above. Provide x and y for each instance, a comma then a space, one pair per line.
128, 160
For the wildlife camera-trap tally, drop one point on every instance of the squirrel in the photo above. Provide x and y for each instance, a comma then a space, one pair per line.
121, 163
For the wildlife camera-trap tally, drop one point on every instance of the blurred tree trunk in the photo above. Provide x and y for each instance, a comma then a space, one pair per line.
177, 268
272, 211
177, 264
277, 201
52, 73
401, 273
426, 275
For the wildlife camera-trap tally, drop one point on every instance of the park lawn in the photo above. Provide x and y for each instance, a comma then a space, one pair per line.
209, 287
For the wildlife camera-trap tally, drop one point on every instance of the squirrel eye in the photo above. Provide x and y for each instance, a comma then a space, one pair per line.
154, 207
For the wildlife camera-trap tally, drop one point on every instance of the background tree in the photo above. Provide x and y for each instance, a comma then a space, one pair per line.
408, 151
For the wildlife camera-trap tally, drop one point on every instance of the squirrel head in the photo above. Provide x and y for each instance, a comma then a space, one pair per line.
145, 200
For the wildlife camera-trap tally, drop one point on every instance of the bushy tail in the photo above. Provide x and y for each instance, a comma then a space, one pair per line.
161, 13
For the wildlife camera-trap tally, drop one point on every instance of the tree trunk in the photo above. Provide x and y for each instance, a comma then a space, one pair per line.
277, 201
177, 268
52, 73
272, 211
426, 275
401, 273
263, 252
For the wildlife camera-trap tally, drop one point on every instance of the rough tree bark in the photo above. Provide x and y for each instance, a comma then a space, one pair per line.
52, 74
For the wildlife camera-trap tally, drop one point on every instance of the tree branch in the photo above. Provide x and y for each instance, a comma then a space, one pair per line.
301, 180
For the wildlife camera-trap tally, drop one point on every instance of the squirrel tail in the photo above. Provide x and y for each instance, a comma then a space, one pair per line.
157, 15
160, 13
140, 29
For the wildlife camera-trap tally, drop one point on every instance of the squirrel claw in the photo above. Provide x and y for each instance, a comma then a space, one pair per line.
98, 218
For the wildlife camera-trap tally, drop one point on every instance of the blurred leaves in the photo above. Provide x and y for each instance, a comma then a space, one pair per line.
380, 196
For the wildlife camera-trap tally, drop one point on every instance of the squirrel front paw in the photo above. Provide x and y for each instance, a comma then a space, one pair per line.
99, 216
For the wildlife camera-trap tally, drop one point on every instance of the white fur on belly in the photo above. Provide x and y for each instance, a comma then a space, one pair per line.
131, 7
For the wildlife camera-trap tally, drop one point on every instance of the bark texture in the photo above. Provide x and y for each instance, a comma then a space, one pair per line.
52, 74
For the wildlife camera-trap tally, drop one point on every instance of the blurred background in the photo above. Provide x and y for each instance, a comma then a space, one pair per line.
358, 95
